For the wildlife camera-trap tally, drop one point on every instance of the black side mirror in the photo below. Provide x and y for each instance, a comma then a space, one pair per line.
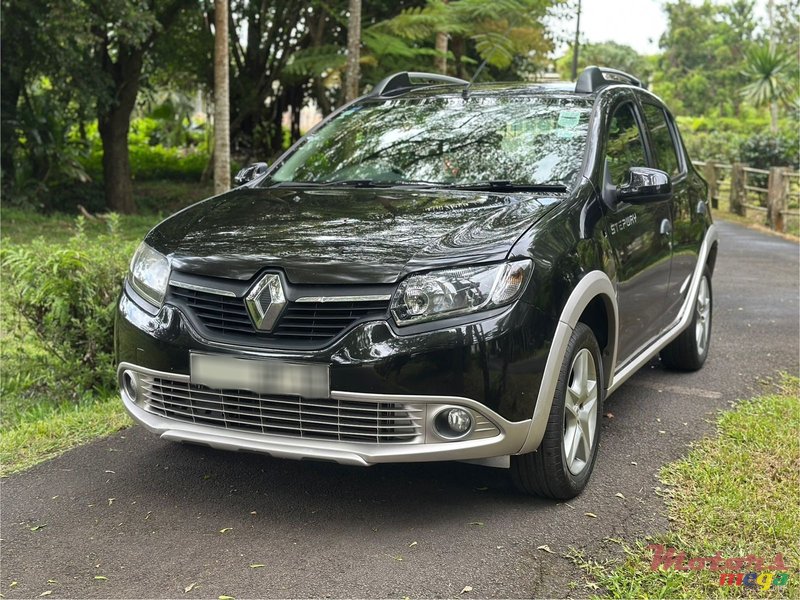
644, 185
250, 172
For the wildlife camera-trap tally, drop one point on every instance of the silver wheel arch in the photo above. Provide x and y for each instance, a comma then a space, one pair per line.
597, 284
594, 284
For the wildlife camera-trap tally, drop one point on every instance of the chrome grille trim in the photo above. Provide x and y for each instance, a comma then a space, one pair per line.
202, 288
326, 419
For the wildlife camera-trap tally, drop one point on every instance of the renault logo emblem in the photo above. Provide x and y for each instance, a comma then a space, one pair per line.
265, 302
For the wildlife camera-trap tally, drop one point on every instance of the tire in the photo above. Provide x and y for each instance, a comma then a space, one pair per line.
688, 352
553, 470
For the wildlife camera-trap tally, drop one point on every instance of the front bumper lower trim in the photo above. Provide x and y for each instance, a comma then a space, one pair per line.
510, 439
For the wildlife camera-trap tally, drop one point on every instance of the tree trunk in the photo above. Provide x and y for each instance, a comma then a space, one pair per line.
353, 73
222, 118
441, 49
116, 162
773, 116
113, 124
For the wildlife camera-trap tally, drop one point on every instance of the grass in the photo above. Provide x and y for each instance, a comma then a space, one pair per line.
738, 493
52, 431
45, 409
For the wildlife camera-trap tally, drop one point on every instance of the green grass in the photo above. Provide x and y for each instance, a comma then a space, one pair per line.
51, 431
738, 493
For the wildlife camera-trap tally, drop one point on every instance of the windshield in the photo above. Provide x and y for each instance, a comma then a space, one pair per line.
526, 141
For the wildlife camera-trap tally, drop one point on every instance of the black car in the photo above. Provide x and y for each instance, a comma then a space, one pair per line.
437, 271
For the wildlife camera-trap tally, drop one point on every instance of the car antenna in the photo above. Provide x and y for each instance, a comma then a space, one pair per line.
465, 91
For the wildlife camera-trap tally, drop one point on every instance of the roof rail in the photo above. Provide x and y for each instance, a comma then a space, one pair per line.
594, 78
402, 81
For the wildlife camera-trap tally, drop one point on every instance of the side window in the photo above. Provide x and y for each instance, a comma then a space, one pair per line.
661, 136
624, 148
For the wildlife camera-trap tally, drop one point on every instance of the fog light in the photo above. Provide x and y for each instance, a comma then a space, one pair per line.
130, 385
453, 422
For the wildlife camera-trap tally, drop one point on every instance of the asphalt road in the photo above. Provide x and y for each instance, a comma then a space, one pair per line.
153, 517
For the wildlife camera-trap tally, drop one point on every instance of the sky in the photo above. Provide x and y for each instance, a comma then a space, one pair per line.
640, 27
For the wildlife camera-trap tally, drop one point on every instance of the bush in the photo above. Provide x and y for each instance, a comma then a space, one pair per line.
67, 294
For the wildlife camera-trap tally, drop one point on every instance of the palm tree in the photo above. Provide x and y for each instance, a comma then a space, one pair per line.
353, 71
770, 72
222, 119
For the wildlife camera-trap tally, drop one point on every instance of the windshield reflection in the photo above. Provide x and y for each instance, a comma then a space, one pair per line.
446, 141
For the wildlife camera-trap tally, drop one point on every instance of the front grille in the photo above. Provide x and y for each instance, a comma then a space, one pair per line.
301, 321
242, 410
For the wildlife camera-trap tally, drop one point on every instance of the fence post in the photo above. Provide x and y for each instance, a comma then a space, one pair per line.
738, 190
777, 197
712, 177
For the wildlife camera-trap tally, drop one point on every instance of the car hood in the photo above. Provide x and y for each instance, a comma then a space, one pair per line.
356, 236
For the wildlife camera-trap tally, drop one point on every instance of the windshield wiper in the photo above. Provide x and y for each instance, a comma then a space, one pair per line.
508, 186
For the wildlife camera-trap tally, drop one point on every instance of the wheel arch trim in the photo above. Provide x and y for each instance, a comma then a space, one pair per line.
595, 284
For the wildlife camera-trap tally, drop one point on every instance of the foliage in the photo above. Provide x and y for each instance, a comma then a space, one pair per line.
66, 294
606, 54
764, 151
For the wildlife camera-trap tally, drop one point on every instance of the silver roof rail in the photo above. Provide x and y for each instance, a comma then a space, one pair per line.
594, 78
402, 81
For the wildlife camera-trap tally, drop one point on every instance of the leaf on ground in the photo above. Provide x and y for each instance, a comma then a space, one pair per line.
13, 584
467, 588
51, 581
620, 495
190, 587
252, 512
592, 515
111, 501
223, 597
476, 524
101, 577
634, 463
46, 593
38, 527
545, 548
225, 529
257, 566
412, 544
398, 558
661, 431
608, 415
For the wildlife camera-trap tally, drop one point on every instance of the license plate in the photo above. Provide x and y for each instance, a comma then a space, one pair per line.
263, 376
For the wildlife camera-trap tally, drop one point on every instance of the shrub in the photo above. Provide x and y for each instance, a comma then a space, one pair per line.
67, 293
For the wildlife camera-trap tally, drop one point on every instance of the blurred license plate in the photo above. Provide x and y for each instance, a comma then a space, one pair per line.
263, 376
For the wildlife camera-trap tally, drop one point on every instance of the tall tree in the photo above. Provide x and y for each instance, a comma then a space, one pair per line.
353, 72
222, 118
770, 72
124, 32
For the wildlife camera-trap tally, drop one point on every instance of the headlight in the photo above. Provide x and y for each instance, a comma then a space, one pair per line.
150, 274
453, 292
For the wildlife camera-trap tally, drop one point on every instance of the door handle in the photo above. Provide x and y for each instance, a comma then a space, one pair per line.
666, 227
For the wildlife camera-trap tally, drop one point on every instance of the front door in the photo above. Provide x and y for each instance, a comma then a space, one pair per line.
640, 235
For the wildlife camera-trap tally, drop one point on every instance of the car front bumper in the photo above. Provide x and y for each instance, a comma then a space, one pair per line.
490, 367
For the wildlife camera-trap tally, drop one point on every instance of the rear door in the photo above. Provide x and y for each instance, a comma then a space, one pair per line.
640, 235
687, 223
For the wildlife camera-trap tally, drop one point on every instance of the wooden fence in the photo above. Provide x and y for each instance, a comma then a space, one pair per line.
774, 192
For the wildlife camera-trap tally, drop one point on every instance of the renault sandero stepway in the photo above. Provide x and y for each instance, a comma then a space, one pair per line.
437, 271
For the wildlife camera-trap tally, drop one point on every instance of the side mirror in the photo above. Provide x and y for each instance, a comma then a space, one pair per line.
250, 172
644, 185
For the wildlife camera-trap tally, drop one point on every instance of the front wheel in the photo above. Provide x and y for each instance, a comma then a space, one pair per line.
688, 352
561, 466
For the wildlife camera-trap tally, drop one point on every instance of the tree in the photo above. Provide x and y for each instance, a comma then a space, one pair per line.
770, 73
124, 32
222, 140
353, 73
